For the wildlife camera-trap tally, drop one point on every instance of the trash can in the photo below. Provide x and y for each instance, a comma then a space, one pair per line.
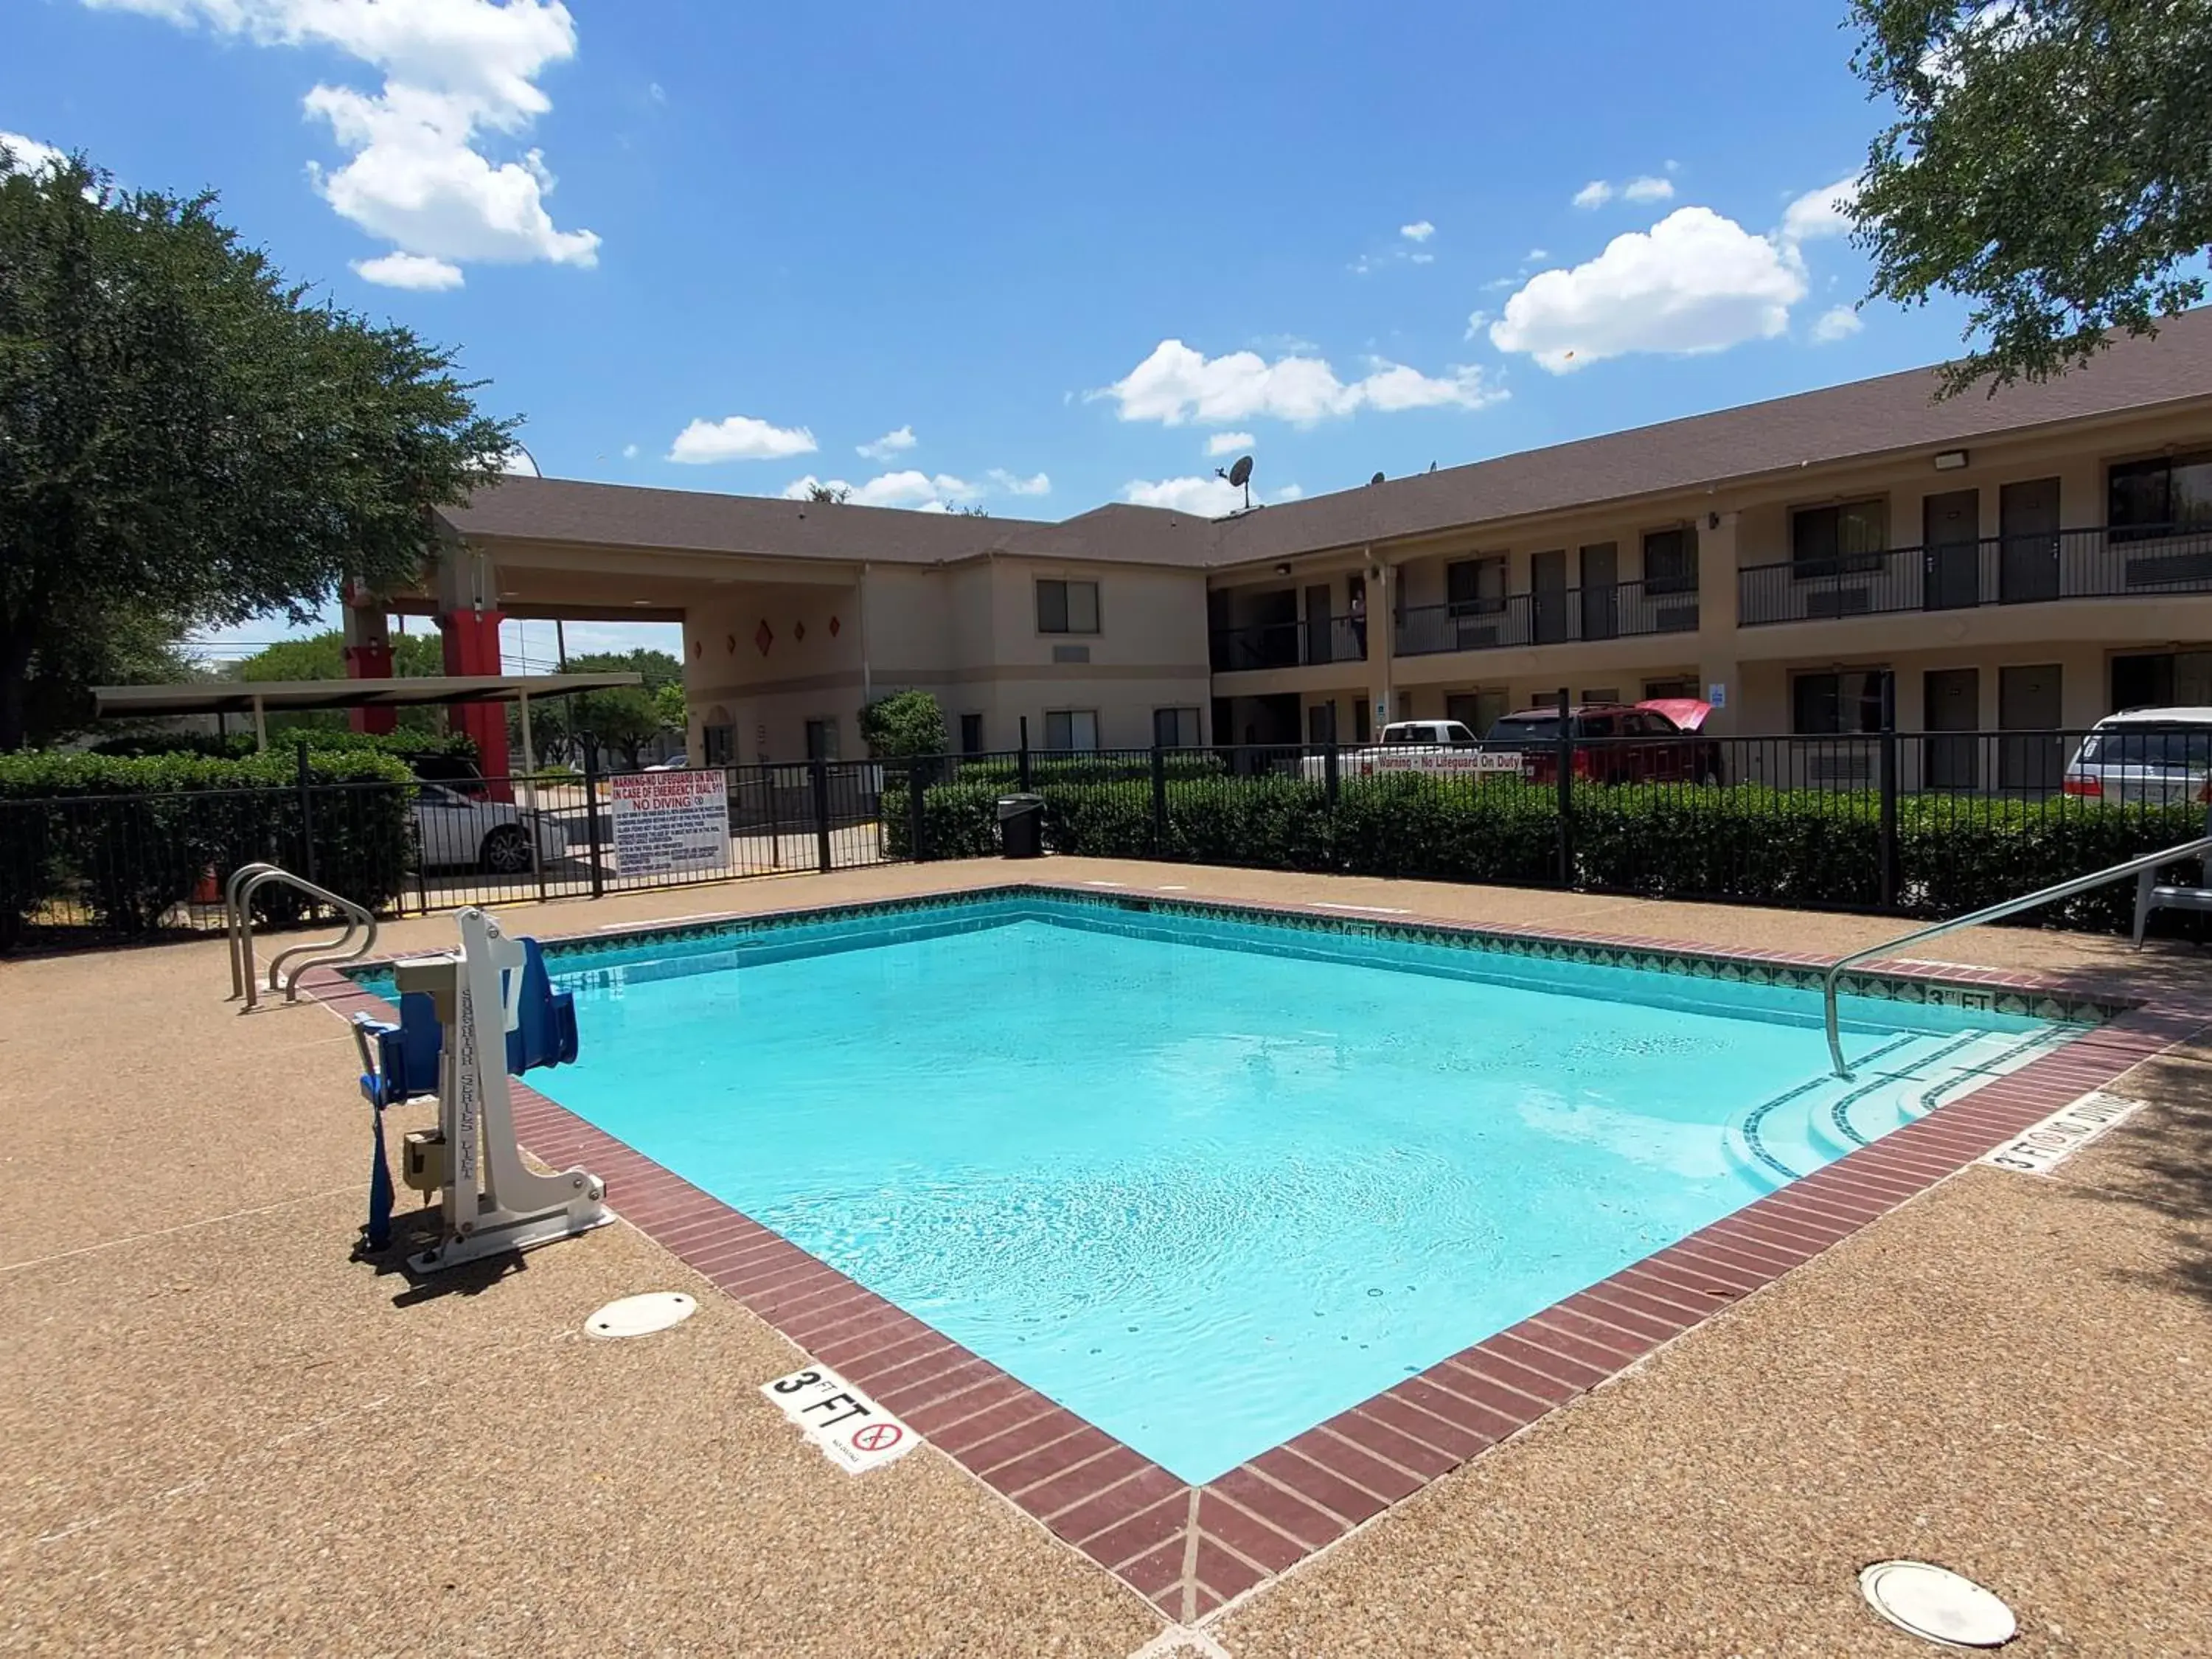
1021, 825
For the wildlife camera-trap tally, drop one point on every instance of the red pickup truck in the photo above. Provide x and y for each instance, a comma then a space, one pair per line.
1655, 741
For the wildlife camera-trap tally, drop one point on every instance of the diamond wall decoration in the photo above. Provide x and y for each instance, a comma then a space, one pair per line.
763, 636
834, 625
798, 632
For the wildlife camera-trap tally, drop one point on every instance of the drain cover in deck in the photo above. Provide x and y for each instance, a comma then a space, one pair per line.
1938, 1604
641, 1316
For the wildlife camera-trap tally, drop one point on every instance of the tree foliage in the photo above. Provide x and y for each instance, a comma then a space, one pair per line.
2052, 162
904, 723
187, 438
618, 723
322, 657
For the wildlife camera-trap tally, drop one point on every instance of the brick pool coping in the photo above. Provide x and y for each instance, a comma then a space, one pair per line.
1189, 1550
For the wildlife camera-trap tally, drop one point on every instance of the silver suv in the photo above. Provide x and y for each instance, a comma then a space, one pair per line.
2146, 756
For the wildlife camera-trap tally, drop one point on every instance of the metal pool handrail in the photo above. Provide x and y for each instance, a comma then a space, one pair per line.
238, 900
1998, 911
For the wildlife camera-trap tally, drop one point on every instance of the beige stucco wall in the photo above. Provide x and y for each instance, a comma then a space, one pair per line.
967, 635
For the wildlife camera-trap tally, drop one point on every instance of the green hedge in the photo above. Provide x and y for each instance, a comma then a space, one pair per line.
1746, 843
239, 746
125, 839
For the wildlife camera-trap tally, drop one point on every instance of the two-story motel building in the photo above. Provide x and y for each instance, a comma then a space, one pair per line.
2035, 559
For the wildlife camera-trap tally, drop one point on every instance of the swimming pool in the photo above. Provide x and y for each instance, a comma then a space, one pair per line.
1206, 1179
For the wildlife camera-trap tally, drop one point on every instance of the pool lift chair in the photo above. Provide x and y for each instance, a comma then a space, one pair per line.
490, 1203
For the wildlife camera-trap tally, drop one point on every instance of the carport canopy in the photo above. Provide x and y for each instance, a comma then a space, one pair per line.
261, 698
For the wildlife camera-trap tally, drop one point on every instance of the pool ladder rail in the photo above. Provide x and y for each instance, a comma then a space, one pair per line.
356, 942
2136, 866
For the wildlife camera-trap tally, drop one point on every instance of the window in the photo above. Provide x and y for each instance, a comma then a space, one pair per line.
1174, 728
1605, 694
1071, 728
1826, 540
2149, 498
971, 734
2166, 679
1475, 587
821, 740
1655, 689
1670, 561
1828, 705
1069, 607
722, 744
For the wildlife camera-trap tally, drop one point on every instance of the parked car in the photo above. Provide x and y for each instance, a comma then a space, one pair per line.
673, 764
1413, 746
2146, 756
1655, 741
458, 831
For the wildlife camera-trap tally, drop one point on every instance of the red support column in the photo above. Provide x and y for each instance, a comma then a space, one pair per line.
368, 657
472, 642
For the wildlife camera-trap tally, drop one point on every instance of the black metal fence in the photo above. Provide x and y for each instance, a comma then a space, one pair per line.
96, 866
1923, 823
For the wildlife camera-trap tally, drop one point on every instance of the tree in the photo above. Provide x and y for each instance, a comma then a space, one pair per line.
905, 723
322, 657
622, 720
186, 439
2052, 162
828, 494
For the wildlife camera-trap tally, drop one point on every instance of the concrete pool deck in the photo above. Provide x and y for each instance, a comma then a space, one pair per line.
228, 1434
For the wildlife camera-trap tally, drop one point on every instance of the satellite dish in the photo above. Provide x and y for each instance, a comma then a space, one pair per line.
1240, 478
1376, 479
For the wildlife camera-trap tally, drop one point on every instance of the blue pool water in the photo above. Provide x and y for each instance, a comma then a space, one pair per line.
1208, 1182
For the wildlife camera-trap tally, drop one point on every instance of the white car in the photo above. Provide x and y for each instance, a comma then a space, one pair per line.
2146, 756
1418, 746
466, 832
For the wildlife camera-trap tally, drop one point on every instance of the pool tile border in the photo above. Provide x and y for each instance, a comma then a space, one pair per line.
1189, 1550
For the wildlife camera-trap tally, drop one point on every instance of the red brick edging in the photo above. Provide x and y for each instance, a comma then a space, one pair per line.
1189, 1550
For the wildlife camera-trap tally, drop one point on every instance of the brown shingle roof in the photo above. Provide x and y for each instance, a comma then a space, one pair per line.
1863, 418
694, 521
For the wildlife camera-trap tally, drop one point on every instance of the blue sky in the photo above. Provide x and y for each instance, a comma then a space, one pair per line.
1054, 260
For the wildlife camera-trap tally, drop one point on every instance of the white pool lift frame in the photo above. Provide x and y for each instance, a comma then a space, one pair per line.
490, 1203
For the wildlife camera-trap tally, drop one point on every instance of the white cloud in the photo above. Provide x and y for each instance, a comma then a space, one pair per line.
1646, 187
1176, 384
1422, 258
518, 464
1822, 212
1014, 485
1228, 443
739, 438
1202, 498
1538, 253
1419, 231
1476, 320
1837, 323
629, 452
1695, 282
31, 155
918, 491
891, 444
415, 270
454, 70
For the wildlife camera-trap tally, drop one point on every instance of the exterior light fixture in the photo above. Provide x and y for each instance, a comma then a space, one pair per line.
1950, 460
1282, 570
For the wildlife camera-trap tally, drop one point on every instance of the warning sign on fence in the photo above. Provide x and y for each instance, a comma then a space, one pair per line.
670, 823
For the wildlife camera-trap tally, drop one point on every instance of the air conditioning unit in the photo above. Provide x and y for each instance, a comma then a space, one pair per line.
1476, 638
1071, 654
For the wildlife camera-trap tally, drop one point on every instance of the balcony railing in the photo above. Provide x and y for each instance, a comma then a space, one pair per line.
1290, 644
1615, 611
2068, 564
